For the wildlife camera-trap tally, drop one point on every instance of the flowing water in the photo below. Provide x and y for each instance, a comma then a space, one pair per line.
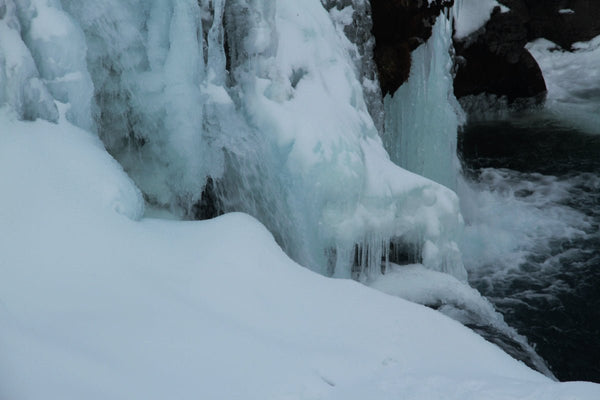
531, 201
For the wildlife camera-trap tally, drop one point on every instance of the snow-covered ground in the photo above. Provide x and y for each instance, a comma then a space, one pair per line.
573, 81
96, 303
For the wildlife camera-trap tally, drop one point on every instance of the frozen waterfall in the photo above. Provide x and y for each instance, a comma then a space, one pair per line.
423, 116
265, 101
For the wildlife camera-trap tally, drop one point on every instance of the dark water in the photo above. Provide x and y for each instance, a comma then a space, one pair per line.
552, 295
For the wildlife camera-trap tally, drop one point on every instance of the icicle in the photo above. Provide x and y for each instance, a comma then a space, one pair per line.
422, 117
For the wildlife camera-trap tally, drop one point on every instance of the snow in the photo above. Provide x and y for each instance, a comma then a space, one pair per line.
471, 15
458, 301
104, 296
566, 11
97, 304
573, 81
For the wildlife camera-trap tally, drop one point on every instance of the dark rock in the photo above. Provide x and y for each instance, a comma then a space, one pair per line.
543, 19
210, 205
399, 27
495, 60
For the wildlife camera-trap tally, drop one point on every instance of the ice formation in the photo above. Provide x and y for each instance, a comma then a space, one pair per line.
423, 116
271, 108
460, 302
266, 99
20, 85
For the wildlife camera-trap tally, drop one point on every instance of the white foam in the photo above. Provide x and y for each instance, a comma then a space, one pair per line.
511, 216
573, 82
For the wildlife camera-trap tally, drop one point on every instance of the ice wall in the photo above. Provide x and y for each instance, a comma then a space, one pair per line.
265, 98
21, 88
154, 87
299, 85
423, 116
353, 22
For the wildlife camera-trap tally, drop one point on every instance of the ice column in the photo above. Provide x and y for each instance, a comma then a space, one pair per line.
423, 116
58, 47
21, 88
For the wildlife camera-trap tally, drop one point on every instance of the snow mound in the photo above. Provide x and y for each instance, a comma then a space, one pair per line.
95, 305
66, 165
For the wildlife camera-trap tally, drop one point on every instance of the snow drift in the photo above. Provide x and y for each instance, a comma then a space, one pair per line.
96, 305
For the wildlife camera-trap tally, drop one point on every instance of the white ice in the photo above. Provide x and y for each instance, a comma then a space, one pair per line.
20, 85
299, 86
422, 117
283, 129
455, 299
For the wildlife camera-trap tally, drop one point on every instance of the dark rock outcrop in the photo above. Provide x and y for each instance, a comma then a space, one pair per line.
543, 18
494, 60
399, 27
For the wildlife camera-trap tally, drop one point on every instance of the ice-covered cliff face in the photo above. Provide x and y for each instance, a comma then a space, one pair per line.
265, 98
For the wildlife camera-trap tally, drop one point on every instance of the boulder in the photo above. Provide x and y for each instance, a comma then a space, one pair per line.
563, 22
494, 60
399, 27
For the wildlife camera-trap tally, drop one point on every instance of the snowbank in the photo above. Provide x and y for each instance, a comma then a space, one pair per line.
97, 305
